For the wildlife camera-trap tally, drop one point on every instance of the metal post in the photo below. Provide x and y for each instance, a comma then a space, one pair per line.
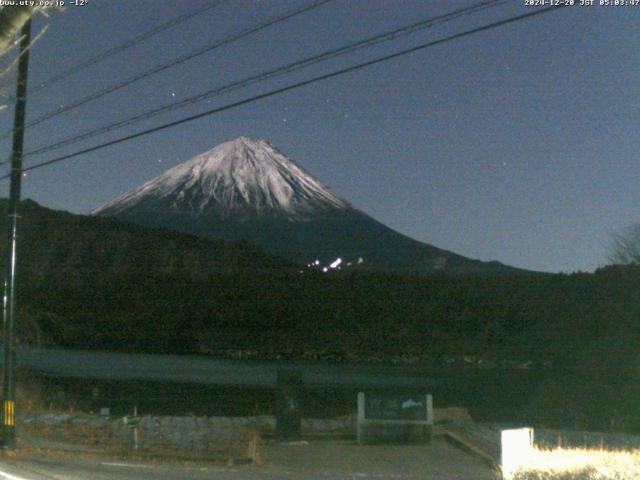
289, 405
8, 418
135, 428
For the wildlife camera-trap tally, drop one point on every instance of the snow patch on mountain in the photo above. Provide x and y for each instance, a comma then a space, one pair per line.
237, 178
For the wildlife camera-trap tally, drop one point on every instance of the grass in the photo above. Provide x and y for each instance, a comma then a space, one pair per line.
581, 464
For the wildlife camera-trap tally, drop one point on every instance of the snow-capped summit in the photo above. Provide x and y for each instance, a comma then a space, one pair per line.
240, 178
247, 190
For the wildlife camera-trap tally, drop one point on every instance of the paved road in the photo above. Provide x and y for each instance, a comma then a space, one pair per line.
206, 370
46, 468
320, 460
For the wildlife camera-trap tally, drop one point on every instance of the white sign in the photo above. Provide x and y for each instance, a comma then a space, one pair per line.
516, 447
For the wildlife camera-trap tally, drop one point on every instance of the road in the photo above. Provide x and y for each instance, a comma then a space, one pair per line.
211, 371
319, 460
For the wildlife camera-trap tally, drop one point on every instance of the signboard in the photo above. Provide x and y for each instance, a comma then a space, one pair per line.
395, 417
395, 407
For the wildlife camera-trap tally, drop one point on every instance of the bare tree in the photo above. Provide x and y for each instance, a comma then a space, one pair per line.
625, 246
12, 19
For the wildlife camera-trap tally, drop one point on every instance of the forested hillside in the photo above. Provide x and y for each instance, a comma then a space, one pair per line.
88, 282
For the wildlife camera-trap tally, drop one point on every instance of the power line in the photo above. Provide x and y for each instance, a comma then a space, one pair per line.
126, 45
292, 87
267, 75
189, 56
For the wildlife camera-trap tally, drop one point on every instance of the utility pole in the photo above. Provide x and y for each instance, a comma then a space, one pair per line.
9, 303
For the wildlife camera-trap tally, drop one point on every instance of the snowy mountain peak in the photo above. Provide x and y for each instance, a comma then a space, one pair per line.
240, 178
246, 190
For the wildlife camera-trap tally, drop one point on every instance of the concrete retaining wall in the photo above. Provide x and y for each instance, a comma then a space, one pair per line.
183, 432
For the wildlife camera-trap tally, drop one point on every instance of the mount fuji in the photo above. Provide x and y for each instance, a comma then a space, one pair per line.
246, 190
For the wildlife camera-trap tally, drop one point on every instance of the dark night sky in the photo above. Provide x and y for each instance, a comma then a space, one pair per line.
518, 144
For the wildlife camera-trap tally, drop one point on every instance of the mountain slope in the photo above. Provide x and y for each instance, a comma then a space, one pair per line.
59, 246
246, 189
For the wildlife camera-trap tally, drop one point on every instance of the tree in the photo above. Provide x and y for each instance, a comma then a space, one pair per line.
625, 246
12, 19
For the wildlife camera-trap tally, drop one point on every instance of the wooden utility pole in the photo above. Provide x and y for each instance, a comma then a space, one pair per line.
8, 381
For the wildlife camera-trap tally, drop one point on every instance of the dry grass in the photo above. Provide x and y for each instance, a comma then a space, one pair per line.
581, 464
